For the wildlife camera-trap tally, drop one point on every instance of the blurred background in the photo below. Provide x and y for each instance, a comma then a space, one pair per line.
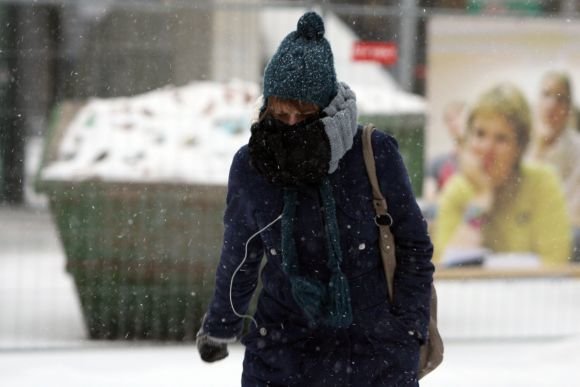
118, 121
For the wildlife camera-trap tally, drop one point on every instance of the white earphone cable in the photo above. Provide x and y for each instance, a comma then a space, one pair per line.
247, 316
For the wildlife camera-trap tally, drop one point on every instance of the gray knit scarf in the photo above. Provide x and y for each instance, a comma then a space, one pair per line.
340, 124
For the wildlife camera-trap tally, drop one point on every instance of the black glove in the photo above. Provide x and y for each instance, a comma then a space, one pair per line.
209, 349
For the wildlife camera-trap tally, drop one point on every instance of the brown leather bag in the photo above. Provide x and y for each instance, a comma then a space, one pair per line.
432, 351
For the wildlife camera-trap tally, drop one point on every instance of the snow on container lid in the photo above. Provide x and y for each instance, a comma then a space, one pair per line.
185, 134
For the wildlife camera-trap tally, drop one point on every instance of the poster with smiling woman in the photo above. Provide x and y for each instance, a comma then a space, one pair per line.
494, 84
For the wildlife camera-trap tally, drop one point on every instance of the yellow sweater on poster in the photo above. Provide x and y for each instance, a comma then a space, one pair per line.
529, 215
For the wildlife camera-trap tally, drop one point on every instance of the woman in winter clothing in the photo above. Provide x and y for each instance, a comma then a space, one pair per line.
299, 194
497, 203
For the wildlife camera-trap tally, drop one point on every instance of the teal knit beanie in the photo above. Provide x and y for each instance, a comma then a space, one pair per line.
303, 66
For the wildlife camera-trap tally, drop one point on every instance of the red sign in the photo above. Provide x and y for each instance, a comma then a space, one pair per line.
382, 52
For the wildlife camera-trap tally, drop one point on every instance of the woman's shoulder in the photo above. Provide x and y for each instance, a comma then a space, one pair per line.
241, 162
242, 172
569, 142
241, 169
457, 189
540, 178
382, 140
242, 154
385, 146
536, 172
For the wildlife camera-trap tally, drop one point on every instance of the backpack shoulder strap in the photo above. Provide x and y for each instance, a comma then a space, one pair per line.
371, 167
382, 217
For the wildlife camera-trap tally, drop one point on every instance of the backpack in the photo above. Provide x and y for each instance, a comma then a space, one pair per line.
431, 352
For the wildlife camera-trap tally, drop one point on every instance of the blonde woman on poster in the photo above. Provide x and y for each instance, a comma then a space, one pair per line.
496, 203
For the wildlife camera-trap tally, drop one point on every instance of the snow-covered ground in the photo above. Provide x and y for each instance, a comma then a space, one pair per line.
43, 341
545, 364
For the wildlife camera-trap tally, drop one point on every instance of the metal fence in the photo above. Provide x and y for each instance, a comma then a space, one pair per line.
128, 260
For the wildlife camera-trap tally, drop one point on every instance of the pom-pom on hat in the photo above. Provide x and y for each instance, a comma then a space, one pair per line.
303, 66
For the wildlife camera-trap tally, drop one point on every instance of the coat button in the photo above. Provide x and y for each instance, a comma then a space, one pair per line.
263, 331
362, 246
273, 252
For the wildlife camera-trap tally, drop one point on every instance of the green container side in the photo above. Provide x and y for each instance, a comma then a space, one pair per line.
143, 257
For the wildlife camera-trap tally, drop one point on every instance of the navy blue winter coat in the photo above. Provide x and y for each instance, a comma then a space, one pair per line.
381, 347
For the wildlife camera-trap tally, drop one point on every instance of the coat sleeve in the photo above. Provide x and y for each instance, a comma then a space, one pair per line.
239, 225
413, 248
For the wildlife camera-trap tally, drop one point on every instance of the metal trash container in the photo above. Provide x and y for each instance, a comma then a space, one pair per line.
142, 255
